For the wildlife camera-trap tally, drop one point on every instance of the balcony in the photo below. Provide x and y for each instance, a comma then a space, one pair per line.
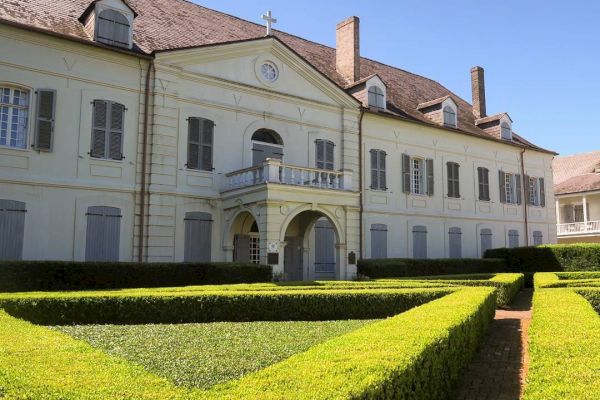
274, 171
579, 228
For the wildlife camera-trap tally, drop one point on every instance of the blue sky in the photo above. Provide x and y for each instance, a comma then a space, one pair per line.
541, 58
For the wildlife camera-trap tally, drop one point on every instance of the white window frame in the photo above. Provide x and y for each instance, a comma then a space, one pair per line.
7, 117
509, 188
418, 183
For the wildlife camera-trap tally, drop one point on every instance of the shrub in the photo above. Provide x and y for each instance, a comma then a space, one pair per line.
567, 279
564, 351
593, 296
156, 307
418, 355
404, 267
21, 276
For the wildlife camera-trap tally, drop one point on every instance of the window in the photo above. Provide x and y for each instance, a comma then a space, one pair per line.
538, 238
483, 176
455, 242
578, 213
417, 185
453, 180
513, 238
378, 175
198, 237
417, 175
510, 188
266, 144
102, 236
107, 130
376, 98
485, 237
324, 154
200, 144
12, 229
379, 241
506, 131
419, 242
536, 193
449, 117
113, 28
14, 113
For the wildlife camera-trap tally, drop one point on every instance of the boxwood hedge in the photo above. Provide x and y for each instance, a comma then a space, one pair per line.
404, 267
22, 276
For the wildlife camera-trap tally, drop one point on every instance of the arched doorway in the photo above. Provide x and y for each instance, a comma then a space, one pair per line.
266, 143
245, 237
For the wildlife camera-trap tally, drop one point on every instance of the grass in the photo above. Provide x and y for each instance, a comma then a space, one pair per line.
202, 355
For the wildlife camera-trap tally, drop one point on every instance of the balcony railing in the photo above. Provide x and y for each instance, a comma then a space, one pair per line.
577, 228
274, 171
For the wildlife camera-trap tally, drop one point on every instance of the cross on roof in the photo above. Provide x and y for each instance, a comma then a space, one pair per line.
270, 21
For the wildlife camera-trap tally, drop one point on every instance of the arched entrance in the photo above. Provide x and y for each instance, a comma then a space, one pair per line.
266, 143
244, 235
311, 251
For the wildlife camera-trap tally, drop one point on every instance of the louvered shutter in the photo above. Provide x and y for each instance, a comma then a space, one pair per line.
419, 242
538, 238
430, 182
513, 238
198, 237
44, 127
486, 240
329, 155
502, 181
379, 241
450, 173
518, 188
480, 179
542, 192
206, 140
12, 229
320, 154
117, 112
193, 143
455, 242
527, 192
103, 234
382, 171
374, 170
405, 173
242, 248
99, 129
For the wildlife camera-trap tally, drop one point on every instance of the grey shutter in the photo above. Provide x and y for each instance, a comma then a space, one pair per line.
450, 179
379, 241
12, 229
329, 155
419, 242
457, 180
486, 240
193, 143
538, 238
44, 127
502, 180
374, 171
117, 112
103, 231
99, 129
324, 247
113, 28
198, 237
484, 186
260, 153
513, 238
455, 242
453, 179
242, 248
568, 214
320, 154
206, 141
405, 173
526, 190
382, 170
542, 192
518, 188
430, 181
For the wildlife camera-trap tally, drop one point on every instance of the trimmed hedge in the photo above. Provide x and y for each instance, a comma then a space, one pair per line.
591, 295
418, 355
404, 267
157, 307
563, 346
567, 279
23, 276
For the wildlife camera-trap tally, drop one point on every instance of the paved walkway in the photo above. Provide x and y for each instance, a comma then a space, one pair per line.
499, 369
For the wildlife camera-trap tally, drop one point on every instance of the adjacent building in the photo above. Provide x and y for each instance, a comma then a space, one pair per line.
160, 130
577, 191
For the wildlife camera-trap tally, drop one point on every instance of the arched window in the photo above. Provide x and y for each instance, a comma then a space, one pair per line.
376, 98
267, 136
449, 116
266, 144
113, 28
14, 114
506, 131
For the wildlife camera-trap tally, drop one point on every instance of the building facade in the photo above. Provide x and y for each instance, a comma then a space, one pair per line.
577, 188
165, 131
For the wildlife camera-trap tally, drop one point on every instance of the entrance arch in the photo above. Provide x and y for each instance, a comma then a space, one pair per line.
243, 238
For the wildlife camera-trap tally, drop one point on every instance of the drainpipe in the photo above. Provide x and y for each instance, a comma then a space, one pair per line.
525, 188
144, 158
360, 182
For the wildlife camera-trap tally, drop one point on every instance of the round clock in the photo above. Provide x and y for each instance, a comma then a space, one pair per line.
269, 72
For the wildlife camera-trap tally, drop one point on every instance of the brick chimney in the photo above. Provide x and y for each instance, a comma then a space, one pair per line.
347, 55
478, 89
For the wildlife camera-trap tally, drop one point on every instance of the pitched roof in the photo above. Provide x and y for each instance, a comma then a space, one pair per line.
175, 24
576, 173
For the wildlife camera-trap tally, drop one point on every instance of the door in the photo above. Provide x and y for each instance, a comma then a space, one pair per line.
103, 234
292, 263
324, 249
12, 229
198, 237
262, 151
241, 248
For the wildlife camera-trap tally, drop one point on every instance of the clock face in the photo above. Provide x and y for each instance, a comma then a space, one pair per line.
269, 72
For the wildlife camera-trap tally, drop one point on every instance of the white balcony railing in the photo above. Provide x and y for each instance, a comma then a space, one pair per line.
576, 228
274, 171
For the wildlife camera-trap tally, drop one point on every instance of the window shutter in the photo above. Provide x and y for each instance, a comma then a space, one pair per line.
502, 180
486, 240
405, 173
117, 112
481, 185
193, 143
457, 180
374, 171
12, 229
206, 138
329, 155
518, 188
379, 241
513, 238
430, 182
455, 242
324, 247
382, 171
319, 154
542, 192
242, 248
526, 190
99, 129
198, 237
419, 242
44, 128
449, 173
102, 234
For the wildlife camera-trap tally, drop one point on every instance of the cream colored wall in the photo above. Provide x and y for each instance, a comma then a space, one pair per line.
402, 211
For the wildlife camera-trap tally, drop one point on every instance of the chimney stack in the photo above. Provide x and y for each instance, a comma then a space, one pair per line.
478, 89
347, 55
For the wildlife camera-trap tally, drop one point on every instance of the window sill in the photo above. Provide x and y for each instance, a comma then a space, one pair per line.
107, 160
198, 171
19, 149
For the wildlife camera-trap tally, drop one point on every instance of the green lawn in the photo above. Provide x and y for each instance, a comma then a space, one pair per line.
202, 355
